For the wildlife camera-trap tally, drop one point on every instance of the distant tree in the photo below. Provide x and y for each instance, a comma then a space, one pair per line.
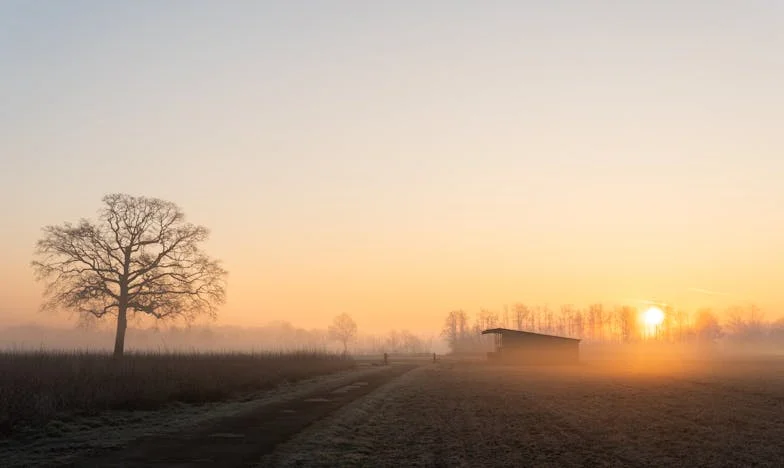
139, 257
487, 319
706, 325
549, 321
521, 314
679, 321
343, 329
563, 320
745, 323
577, 323
595, 321
411, 343
455, 326
393, 341
776, 331
627, 320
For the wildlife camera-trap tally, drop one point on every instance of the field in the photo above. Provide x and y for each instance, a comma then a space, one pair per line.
674, 413
44, 390
644, 410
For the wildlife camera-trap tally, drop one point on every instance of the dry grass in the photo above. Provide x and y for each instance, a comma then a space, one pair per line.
472, 414
38, 387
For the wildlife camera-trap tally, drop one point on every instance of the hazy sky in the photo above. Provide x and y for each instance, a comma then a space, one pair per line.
396, 160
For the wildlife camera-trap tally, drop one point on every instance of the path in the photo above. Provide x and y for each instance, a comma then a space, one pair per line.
243, 439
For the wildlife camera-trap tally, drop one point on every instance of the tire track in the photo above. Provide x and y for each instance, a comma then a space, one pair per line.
243, 439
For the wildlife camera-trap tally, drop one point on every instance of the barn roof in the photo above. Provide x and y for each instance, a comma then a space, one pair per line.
506, 331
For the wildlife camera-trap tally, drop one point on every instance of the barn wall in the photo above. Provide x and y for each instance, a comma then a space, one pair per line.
538, 350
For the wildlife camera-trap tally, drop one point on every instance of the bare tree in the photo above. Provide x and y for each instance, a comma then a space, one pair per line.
487, 319
521, 314
627, 316
454, 330
343, 329
548, 319
578, 323
564, 321
594, 320
706, 325
679, 320
776, 331
411, 343
745, 323
139, 257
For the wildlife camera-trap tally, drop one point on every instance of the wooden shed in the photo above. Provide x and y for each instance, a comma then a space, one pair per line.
516, 346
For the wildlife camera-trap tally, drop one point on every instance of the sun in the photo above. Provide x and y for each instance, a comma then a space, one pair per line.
653, 317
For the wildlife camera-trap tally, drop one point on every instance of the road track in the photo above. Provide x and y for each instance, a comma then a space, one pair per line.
241, 440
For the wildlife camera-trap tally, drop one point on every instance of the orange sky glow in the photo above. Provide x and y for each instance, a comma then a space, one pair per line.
397, 162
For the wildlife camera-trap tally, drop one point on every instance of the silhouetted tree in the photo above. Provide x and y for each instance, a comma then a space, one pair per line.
679, 323
548, 320
393, 341
411, 343
139, 257
521, 314
487, 319
595, 321
343, 329
776, 331
706, 325
627, 320
562, 322
454, 328
578, 323
745, 323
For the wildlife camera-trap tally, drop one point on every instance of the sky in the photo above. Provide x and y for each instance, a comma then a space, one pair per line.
398, 160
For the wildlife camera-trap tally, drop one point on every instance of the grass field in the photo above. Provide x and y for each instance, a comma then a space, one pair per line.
38, 388
668, 413
645, 409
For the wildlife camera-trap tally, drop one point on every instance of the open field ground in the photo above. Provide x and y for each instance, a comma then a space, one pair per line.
44, 391
474, 414
118, 437
665, 412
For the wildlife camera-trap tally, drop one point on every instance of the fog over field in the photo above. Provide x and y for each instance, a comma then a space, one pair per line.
391, 233
671, 413
276, 336
739, 329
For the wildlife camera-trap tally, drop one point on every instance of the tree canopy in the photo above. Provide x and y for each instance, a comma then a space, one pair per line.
140, 256
343, 329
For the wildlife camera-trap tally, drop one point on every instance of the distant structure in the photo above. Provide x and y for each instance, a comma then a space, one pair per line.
522, 347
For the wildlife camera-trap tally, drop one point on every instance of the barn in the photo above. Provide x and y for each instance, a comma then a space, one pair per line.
522, 347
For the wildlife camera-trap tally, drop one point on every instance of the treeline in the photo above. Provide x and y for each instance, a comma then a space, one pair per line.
394, 342
601, 324
275, 336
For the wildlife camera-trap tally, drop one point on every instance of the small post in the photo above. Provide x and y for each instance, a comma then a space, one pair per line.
386, 359
434, 357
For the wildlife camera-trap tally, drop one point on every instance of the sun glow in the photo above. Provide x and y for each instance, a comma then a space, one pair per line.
653, 317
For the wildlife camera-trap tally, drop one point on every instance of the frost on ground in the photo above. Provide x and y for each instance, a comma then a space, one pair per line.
65, 440
473, 414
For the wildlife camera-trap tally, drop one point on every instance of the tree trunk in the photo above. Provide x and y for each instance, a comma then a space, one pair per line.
119, 338
345, 347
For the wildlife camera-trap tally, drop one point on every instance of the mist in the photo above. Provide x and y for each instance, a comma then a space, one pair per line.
274, 336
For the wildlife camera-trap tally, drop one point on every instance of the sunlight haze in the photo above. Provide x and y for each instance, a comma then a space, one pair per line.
398, 160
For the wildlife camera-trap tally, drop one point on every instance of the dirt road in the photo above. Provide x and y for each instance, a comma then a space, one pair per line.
243, 439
